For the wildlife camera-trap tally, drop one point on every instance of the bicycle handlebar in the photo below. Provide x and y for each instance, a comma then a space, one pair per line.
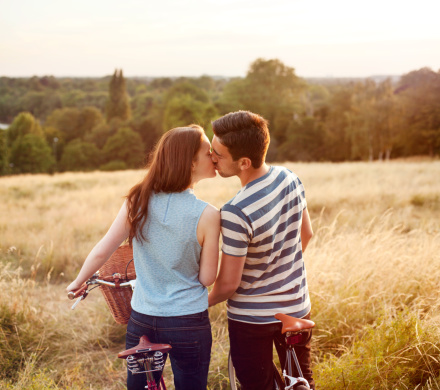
83, 291
77, 293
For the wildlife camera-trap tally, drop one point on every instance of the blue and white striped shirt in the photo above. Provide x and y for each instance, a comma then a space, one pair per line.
263, 223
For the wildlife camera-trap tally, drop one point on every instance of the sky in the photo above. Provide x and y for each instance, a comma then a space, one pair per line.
318, 38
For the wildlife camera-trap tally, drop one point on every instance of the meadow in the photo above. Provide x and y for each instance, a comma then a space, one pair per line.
373, 268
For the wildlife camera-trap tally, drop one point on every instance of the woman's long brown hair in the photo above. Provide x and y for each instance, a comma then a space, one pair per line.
169, 170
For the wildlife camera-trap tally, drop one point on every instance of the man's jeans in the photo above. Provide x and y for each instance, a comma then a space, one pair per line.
251, 350
190, 339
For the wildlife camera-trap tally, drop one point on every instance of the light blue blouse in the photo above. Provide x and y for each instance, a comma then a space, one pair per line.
167, 262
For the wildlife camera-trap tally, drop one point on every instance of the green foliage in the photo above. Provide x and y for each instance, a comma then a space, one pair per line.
305, 141
142, 104
73, 122
40, 104
3, 153
148, 132
118, 105
127, 146
420, 91
99, 134
11, 362
31, 154
80, 156
184, 104
115, 165
184, 110
186, 88
353, 119
270, 89
55, 139
23, 124
396, 352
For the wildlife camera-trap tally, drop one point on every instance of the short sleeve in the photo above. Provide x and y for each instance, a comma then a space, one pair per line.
236, 231
301, 194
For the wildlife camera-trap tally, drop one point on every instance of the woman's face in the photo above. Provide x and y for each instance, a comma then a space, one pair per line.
203, 166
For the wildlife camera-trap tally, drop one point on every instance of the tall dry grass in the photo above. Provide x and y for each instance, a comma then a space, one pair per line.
373, 271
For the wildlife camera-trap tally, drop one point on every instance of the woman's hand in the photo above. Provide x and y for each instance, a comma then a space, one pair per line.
73, 286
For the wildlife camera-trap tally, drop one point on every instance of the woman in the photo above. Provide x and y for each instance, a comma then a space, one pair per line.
175, 239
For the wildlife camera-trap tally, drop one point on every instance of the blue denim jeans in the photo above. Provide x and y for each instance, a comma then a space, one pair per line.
190, 338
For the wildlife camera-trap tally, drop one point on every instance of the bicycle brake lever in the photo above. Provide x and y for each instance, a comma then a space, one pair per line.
76, 302
80, 299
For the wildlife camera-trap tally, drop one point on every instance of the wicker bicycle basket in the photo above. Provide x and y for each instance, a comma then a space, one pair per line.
119, 269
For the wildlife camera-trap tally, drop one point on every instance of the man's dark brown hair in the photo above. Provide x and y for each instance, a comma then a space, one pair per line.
245, 134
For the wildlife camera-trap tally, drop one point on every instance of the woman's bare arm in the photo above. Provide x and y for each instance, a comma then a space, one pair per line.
208, 233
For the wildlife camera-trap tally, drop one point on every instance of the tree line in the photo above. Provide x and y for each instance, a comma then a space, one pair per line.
65, 124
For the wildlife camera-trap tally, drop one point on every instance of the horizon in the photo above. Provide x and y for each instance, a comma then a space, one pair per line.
329, 77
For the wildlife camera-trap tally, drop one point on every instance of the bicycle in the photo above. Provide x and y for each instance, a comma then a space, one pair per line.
146, 357
292, 328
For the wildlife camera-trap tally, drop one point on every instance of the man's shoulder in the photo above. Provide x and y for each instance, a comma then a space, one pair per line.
279, 169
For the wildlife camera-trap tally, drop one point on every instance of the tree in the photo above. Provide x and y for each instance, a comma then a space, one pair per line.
149, 133
127, 146
118, 104
185, 88
31, 154
3, 153
184, 110
420, 95
337, 120
142, 105
89, 118
186, 103
80, 156
66, 121
24, 123
40, 104
99, 134
54, 138
73, 122
305, 142
270, 89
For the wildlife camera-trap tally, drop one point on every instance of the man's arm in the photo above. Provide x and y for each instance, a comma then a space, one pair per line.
228, 279
306, 229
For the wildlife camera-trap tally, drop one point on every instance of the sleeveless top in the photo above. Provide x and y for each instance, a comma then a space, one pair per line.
167, 262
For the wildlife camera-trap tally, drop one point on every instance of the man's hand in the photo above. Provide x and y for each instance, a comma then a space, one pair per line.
228, 279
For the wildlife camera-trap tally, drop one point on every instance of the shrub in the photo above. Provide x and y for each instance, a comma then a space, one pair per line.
115, 165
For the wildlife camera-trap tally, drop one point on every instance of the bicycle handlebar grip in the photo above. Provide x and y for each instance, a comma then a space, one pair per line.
77, 293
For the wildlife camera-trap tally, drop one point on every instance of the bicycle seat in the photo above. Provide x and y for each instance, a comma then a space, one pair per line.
144, 345
292, 324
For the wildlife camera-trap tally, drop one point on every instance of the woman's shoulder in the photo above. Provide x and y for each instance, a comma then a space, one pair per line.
210, 214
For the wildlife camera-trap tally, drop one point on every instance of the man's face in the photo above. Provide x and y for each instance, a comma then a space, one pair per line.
222, 159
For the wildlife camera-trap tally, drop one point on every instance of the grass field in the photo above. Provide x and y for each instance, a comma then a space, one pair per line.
373, 269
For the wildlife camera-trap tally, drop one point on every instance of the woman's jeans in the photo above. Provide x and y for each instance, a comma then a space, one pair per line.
190, 338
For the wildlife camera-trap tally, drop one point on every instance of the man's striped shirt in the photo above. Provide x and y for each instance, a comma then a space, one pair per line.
263, 223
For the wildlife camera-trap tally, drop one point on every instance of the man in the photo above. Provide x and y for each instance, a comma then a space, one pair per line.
266, 228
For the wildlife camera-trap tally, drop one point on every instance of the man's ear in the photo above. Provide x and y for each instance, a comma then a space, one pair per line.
244, 163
